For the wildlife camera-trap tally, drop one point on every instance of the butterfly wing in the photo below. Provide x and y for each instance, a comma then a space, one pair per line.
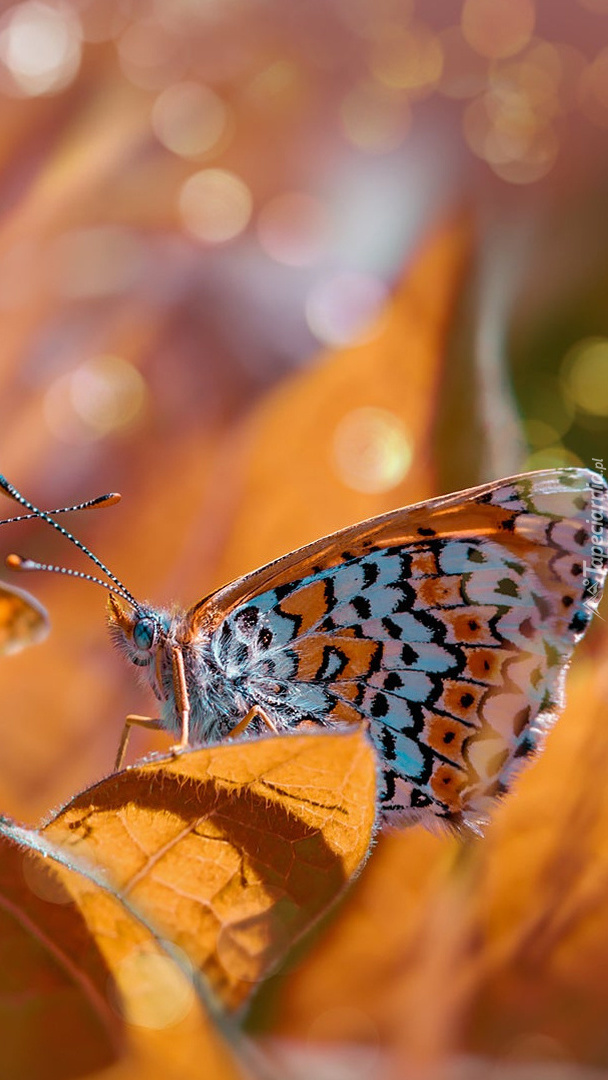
447, 626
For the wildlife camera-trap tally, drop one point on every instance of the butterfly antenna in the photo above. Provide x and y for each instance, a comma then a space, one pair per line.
90, 504
17, 563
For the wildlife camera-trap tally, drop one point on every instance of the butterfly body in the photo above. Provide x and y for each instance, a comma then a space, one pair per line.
447, 627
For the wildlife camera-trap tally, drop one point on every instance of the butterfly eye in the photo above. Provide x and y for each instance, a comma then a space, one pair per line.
144, 634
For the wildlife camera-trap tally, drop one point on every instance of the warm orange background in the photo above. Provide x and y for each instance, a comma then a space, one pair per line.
447, 173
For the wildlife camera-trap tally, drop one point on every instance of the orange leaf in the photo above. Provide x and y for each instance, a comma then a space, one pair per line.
23, 621
332, 446
232, 851
85, 984
499, 947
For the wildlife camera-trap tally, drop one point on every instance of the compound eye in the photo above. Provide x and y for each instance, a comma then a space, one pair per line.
144, 634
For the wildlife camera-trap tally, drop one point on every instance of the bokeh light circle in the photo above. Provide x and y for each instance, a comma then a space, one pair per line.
189, 119
371, 450
102, 396
156, 993
498, 28
215, 205
584, 373
40, 46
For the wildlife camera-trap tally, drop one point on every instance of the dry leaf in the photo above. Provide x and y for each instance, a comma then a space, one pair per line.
334, 445
23, 621
542, 894
496, 948
86, 987
232, 851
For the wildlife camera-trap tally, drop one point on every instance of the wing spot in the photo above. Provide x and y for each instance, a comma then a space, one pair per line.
525, 747
475, 555
581, 537
409, 656
379, 705
543, 605
242, 656
393, 681
388, 744
552, 654
418, 799
247, 618
376, 659
330, 594
506, 587
370, 573
521, 721
579, 622
362, 606
333, 663
392, 629
526, 628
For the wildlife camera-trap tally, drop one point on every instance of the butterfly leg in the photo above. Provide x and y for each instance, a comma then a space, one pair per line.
182, 699
254, 713
142, 721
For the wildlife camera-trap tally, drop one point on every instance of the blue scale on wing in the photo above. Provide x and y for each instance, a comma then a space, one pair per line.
502, 587
350, 582
399, 626
423, 656
404, 752
466, 556
363, 654
381, 639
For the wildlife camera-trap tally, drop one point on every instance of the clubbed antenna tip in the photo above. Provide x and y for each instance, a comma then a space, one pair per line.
17, 562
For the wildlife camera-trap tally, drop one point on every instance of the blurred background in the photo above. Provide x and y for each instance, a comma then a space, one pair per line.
269, 267
210, 207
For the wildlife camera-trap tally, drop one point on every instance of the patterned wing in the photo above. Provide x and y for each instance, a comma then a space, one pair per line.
452, 642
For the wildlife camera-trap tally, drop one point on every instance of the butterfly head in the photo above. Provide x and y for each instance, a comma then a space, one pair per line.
139, 632
142, 635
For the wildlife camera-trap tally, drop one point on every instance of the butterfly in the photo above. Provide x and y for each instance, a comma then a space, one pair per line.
445, 627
